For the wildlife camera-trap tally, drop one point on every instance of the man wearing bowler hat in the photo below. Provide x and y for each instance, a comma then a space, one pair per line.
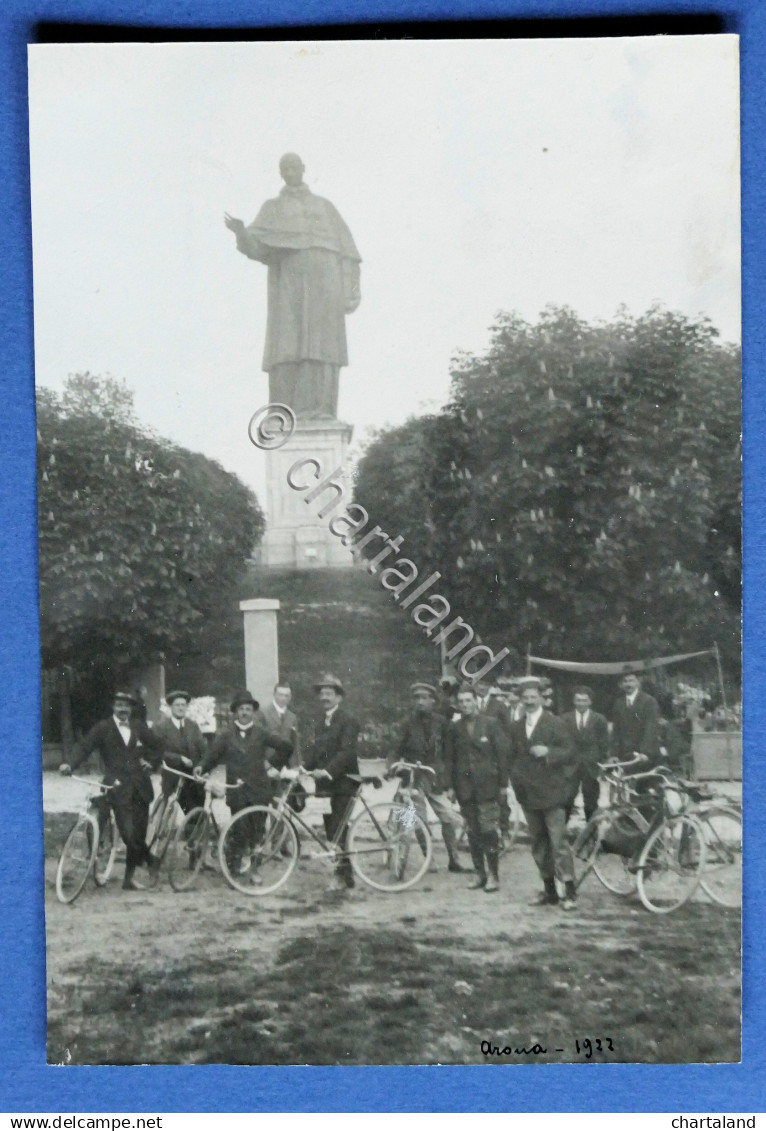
128, 751
332, 756
183, 748
422, 740
242, 748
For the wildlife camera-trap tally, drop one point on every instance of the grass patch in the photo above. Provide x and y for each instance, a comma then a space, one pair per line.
668, 994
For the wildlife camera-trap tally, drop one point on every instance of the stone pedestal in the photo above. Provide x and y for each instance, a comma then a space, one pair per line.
261, 647
295, 537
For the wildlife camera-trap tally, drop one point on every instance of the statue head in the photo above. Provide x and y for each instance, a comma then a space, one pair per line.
291, 169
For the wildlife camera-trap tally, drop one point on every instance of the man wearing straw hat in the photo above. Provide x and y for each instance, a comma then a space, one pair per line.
332, 756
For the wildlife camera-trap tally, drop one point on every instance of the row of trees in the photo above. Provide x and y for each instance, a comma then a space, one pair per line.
141, 541
580, 492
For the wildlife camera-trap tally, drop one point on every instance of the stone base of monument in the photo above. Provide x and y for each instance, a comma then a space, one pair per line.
296, 535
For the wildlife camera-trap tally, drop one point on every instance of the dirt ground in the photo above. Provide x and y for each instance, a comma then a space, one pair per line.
425, 976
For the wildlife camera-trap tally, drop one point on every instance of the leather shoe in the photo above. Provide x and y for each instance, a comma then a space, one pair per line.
543, 899
132, 885
492, 884
455, 866
478, 883
568, 903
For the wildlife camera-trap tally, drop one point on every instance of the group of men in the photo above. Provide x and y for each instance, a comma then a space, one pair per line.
480, 742
477, 739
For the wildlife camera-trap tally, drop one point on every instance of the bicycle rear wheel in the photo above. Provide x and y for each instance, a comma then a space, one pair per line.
77, 857
159, 844
187, 847
259, 850
722, 876
106, 852
585, 849
389, 846
671, 864
621, 835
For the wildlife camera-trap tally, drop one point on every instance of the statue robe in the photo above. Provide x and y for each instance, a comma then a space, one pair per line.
313, 279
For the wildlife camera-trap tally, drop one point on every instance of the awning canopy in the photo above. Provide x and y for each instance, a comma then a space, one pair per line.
618, 667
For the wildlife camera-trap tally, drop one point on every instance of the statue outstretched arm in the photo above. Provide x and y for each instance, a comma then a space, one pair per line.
247, 243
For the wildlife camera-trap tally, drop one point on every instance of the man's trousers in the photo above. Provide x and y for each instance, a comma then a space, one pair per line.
550, 847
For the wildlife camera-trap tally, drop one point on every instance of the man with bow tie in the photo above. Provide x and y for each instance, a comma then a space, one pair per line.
184, 747
242, 748
543, 769
332, 756
477, 772
589, 734
128, 751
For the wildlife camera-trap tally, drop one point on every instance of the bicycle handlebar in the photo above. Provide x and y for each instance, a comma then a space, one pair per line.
95, 784
606, 767
411, 766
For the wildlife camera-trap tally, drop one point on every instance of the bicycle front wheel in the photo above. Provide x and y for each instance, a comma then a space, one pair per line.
189, 842
259, 850
722, 875
389, 846
160, 843
671, 864
106, 852
77, 858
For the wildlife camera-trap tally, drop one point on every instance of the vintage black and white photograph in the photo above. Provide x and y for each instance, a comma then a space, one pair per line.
388, 410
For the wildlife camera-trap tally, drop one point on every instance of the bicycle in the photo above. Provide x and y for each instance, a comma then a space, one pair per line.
197, 838
721, 821
662, 856
91, 844
259, 849
165, 815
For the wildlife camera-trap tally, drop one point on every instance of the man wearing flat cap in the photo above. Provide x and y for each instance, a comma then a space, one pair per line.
242, 748
332, 757
183, 748
128, 751
422, 740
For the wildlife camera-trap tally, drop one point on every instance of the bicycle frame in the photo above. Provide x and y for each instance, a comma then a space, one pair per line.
329, 849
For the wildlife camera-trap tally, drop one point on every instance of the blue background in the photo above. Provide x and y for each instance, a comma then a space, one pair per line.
26, 1082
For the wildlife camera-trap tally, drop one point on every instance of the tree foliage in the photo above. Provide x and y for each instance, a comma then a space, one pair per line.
140, 540
580, 492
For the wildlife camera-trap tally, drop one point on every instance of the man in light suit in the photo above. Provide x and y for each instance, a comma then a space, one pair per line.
543, 769
589, 733
635, 722
279, 719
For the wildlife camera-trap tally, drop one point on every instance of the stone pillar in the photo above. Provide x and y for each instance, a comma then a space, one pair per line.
261, 647
295, 536
150, 681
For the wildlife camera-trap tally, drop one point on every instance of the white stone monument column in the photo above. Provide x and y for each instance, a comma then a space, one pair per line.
261, 647
295, 536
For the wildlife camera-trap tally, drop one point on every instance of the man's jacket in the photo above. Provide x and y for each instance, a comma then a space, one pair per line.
636, 728
543, 783
122, 762
334, 750
475, 759
247, 755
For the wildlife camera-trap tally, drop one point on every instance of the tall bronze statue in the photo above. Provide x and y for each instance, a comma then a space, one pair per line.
313, 283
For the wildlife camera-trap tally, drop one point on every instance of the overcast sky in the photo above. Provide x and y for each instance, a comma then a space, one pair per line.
475, 176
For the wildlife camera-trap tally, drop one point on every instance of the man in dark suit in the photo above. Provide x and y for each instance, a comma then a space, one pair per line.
543, 769
635, 722
589, 734
332, 756
422, 740
183, 748
242, 748
128, 750
477, 769
279, 719
491, 703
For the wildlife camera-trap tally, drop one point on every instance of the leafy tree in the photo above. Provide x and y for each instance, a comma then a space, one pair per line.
141, 541
580, 490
